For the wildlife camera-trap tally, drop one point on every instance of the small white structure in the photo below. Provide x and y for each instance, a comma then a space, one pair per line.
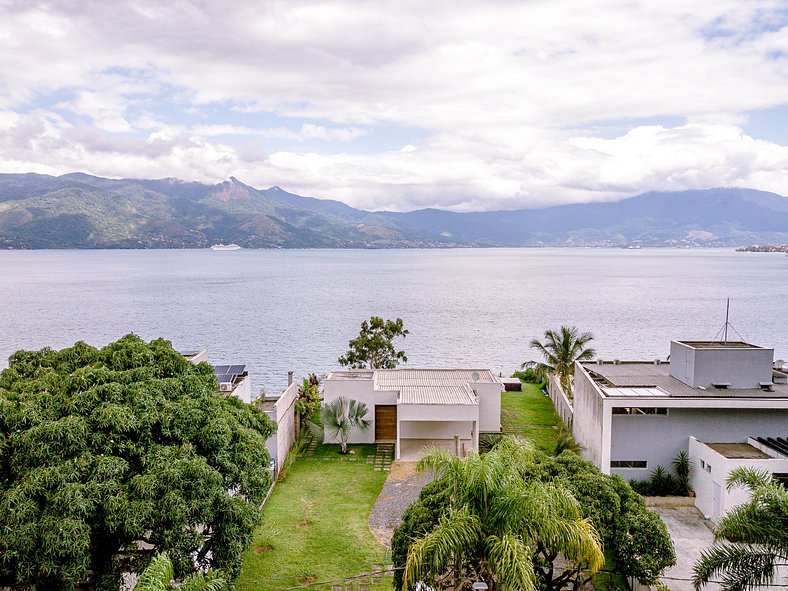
713, 462
415, 408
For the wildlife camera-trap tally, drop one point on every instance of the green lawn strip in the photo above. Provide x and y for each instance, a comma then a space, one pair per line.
355, 451
530, 414
335, 542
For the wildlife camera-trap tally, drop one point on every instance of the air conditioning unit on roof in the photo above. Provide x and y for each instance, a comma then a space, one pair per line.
225, 387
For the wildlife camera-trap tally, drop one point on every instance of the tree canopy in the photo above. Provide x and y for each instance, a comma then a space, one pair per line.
636, 536
494, 524
374, 346
560, 349
751, 541
109, 455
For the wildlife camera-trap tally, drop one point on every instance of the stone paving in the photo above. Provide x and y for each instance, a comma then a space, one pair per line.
401, 488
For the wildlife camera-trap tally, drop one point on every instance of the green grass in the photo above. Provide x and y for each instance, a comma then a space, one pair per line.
360, 451
530, 414
315, 528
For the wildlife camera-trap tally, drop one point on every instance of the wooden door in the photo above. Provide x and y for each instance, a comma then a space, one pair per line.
385, 422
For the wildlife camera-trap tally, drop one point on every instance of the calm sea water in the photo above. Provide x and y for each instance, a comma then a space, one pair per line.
278, 310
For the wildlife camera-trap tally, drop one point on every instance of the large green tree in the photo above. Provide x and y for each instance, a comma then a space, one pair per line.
495, 524
635, 536
560, 349
109, 455
751, 541
374, 346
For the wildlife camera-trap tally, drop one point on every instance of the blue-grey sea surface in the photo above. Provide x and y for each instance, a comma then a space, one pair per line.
280, 310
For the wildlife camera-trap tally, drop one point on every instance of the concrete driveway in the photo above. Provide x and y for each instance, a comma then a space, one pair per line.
690, 536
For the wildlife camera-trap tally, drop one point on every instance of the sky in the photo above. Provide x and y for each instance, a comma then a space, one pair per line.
468, 106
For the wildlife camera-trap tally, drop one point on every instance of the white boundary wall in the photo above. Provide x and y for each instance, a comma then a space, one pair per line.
284, 417
560, 401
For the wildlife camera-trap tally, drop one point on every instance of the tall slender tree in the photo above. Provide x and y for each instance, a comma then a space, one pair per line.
751, 541
560, 350
496, 522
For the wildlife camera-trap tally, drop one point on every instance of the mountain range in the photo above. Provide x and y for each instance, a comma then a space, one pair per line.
82, 211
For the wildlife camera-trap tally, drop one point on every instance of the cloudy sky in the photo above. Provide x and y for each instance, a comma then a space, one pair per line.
401, 105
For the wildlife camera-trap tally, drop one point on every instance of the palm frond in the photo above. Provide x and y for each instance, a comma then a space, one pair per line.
158, 574
510, 561
738, 567
457, 531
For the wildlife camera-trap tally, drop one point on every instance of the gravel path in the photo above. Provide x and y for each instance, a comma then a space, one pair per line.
401, 488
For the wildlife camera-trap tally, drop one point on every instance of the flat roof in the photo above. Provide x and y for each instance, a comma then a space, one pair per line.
719, 345
738, 451
359, 374
642, 374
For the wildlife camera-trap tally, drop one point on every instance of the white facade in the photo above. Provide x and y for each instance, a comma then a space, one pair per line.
447, 407
634, 416
713, 462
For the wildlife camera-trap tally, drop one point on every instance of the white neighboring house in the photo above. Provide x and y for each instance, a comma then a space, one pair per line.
415, 408
233, 379
710, 399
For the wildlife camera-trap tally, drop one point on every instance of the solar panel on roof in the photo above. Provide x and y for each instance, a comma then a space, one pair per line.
225, 378
220, 369
237, 369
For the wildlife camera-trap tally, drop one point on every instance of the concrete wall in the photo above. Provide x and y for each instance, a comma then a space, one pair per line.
711, 470
284, 416
243, 390
658, 438
588, 417
489, 407
560, 400
436, 429
744, 367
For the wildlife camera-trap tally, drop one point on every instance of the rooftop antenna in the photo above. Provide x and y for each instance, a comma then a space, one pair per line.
724, 329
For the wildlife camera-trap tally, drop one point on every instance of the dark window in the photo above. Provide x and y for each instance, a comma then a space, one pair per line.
629, 464
627, 410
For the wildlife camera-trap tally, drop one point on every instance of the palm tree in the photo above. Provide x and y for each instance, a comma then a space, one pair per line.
560, 351
500, 525
339, 418
751, 541
159, 574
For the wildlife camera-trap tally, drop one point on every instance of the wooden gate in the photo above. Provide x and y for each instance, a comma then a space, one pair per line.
385, 422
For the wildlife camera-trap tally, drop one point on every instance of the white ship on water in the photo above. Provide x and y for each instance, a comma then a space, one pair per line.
225, 247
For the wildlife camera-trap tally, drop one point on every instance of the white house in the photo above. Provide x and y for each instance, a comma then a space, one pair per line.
709, 399
414, 408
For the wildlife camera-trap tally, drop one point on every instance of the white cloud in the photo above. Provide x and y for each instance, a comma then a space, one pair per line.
505, 97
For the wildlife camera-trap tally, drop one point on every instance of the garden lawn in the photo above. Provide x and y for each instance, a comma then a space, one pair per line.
530, 414
315, 528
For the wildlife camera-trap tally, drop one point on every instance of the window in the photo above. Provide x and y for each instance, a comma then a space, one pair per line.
703, 464
627, 410
708, 467
629, 464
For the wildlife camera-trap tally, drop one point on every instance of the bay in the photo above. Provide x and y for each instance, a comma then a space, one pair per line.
280, 310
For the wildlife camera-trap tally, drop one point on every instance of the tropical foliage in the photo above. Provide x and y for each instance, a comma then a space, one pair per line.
159, 576
662, 483
497, 525
374, 346
636, 537
751, 541
339, 417
560, 350
101, 450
